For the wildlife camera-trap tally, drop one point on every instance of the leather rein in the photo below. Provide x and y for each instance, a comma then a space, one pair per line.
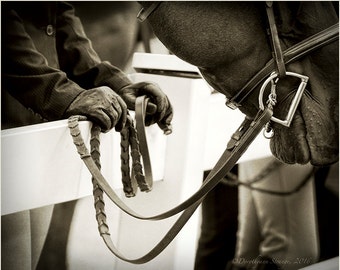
133, 137
249, 129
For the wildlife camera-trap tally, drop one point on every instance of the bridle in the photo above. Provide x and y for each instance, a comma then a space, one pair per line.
292, 54
237, 145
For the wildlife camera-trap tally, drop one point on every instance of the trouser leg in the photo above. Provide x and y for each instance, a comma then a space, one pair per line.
288, 227
218, 229
22, 237
248, 234
53, 255
327, 197
16, 241
40, 222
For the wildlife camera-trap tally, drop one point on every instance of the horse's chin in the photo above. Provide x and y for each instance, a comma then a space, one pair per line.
289, 144
308, 139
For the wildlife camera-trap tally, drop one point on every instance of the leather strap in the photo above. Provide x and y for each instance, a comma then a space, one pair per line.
228, 159
277, 51
131, 176
140, 109
292, 54
240, 141
143, 14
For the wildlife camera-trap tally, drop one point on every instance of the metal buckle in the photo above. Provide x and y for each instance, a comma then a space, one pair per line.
295, 101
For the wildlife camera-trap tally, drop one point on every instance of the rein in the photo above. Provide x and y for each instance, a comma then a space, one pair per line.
242, 138
136, 141
238, 144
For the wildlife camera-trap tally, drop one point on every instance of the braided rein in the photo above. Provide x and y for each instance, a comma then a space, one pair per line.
245, 134
131, 178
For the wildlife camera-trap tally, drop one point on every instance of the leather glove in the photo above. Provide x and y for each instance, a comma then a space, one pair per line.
159, 109
102, 106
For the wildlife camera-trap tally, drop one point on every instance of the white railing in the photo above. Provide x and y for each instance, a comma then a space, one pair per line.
40, 165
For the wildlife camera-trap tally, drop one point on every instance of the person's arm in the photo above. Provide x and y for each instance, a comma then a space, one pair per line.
48, 91
27, 76
78, 58
82, 64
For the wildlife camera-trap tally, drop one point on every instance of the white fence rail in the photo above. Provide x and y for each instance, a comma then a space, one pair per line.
40, 165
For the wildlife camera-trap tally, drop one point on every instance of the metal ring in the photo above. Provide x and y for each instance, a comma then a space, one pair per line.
295, 101
268, 134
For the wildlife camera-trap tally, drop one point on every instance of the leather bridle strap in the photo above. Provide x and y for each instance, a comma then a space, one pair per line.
143, 14
241, 140
277, 51
292, 54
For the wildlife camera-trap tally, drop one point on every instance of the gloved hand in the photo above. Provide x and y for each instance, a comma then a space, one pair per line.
159, 109
102, 106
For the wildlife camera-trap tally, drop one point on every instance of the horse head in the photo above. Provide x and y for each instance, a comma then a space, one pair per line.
228, 42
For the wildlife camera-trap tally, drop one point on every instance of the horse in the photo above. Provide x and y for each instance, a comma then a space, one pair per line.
229, 43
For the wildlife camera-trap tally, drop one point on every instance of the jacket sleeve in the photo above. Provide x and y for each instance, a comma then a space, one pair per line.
27, 76
77, 57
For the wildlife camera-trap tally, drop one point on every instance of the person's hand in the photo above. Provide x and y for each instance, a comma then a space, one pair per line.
158, 110
102, 106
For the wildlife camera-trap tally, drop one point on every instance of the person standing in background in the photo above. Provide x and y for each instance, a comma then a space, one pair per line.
49, 72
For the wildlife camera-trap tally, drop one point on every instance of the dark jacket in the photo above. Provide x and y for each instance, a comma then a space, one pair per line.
47, 61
